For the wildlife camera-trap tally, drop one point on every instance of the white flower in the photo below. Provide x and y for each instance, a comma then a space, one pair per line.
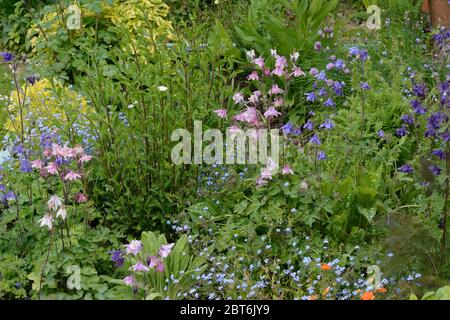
54, 203
134, 247
62, 212
47, 220
251, 55
162, 88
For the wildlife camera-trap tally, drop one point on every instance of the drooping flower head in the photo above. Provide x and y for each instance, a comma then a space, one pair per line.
287, 170
221, 113
134, 247
165, 250
46, 220
54, 203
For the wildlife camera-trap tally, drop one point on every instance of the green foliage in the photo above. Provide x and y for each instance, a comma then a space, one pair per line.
64, 53
284, 25
12, 277
441, 294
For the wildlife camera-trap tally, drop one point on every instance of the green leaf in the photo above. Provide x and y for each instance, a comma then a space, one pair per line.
369, 214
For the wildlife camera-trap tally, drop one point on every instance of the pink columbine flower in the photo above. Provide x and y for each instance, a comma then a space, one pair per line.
78, 150
267, 72
287, 170
278, 71
275, 90
297, 72
250, 116
278, 102
54, 202
129, 281
165, 250
253, 76
281, 62
155, 262
66, 152
238, 98
47, 153
62, 212
46, 220
52, 168
43, 173
80, 197
37, 164
260, 182
72, 176
266, 174
134, 247
254, 98
234, 129
139, 267
330, 66
271, 112
84, 158
55, 149
160, 267
259, 62
221, 113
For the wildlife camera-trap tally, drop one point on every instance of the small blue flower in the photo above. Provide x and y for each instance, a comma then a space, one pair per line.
315, 140
321, 155
406, 168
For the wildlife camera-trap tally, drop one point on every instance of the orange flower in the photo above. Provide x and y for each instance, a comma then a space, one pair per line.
325, 292
312, 297
325, 266
368, 296
381, 290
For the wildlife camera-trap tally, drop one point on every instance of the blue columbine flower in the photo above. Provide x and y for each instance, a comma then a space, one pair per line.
353, 51
117, 258
363, 55
311, 96
31, 79
322, 76
315, 139
7, 56
401, 132
406, 168
435, 170
328, 124
439, 153
288, 128
365, 86
406, 118
322, 92
417, 107
337, 87
329, 103
339, 64
420, 90
25, 166
321, 155
380, 133
309, 125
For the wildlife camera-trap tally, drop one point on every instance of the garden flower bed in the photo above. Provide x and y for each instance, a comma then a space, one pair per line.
258, 149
